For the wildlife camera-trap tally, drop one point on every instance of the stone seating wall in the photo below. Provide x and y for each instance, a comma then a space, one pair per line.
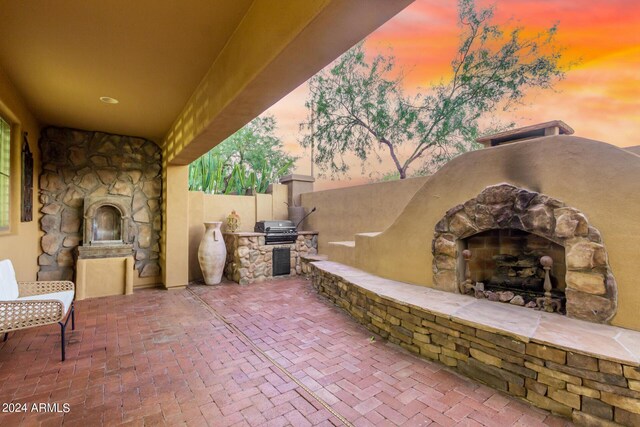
589, 389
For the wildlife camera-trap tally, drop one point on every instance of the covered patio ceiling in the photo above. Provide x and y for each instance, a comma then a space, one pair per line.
194, 71
63, 56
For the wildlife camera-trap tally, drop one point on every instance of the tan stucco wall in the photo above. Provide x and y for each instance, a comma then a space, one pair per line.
207, 207
279, 206
174, 237
253, 44
101, 277
263, 207
599, 179
634, 149
343, 212
22, 243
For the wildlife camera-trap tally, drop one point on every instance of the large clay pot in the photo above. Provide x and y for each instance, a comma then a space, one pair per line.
212, 253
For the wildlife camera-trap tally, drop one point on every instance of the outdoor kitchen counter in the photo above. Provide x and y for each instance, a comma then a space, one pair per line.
251, 259
243, 233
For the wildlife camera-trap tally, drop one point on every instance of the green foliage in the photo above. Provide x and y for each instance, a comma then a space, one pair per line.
250, 159
205, 173
389, 176
358, 106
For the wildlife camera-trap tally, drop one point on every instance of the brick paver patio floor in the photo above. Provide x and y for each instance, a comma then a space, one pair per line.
264, 354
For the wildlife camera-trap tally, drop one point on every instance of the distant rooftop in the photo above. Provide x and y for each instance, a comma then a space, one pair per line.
554, 127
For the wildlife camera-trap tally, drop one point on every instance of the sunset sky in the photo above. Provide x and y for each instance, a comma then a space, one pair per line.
600, 98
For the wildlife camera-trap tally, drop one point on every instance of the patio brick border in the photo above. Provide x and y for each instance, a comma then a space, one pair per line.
590, 390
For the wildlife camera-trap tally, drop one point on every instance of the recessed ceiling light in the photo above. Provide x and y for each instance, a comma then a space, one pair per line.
108, 100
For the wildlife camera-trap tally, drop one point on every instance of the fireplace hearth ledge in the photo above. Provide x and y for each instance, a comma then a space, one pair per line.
611, 342
553, 362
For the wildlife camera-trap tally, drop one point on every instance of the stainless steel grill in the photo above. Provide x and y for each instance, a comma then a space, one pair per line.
277, 232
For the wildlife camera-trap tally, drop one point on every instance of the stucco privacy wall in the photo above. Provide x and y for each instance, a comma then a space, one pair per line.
209, 207
599, 179
343, 212
21, 244
635, 149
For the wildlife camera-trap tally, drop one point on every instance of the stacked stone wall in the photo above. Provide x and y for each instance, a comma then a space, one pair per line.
77, 164
588, 389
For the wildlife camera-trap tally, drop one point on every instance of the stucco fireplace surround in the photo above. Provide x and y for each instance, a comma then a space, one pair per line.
537, 204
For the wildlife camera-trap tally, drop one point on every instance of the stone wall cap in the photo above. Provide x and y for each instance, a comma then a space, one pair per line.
305, 232
296, 177
316, 257
244, 233
603, 341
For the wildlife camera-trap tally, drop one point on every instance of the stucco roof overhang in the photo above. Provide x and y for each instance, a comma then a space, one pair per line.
155, 57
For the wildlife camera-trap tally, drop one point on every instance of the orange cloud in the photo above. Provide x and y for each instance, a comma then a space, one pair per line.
600, 97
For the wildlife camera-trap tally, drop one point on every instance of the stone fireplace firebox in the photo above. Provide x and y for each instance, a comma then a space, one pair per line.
507, 230
106, 228
507, 263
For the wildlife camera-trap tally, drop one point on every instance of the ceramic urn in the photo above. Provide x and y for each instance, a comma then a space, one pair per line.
212, 253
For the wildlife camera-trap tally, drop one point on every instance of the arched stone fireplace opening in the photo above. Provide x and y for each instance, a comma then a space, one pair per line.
504, 232
107, 227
